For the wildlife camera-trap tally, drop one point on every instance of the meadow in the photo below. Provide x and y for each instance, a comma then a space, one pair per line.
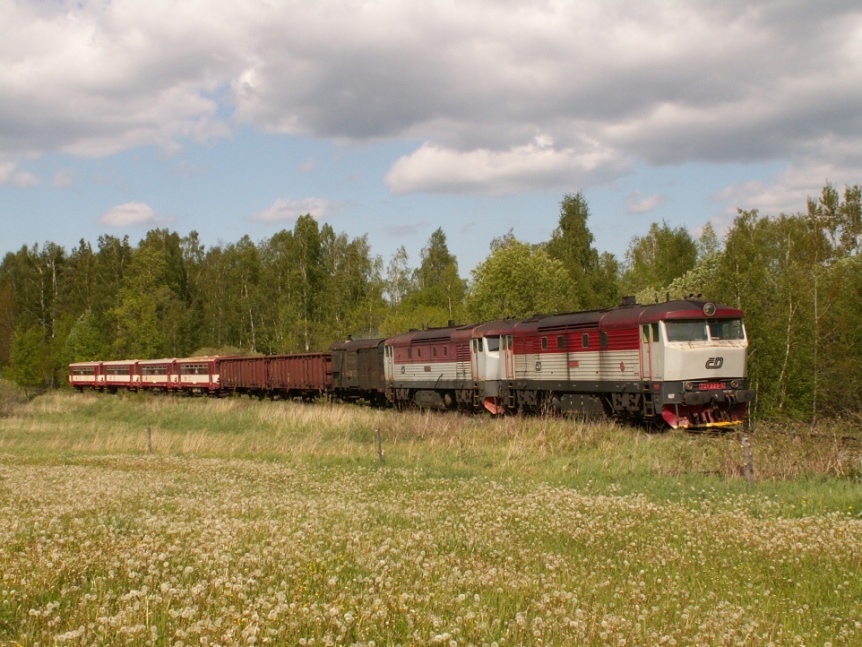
279, 523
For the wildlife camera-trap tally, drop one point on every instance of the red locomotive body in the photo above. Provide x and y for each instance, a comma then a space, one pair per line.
430, 368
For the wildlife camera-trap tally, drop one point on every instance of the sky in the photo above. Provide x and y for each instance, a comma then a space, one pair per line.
393, 118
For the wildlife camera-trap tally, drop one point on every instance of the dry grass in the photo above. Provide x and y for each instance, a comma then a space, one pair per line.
547, 448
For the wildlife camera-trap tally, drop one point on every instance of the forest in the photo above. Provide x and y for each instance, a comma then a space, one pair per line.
797, 276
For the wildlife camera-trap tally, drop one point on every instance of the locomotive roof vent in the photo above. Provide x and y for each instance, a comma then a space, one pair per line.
629, 301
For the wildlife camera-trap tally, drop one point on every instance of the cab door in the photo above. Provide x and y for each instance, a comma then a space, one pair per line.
507, 356
651, 352
477, 358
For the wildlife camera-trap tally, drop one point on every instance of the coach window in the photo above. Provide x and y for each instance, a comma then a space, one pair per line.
544, 343
585, 340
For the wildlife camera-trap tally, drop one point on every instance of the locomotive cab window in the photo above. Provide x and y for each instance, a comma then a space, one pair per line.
686, 330
493, 344
726, 329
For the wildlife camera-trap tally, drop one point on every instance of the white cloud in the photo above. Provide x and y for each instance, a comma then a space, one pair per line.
535, 165
130, 214
283, 210
11, 175
64, 178
660, 82
638, 204
96, 78
788, 191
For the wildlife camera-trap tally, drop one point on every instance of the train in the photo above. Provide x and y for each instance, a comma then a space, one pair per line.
680, 364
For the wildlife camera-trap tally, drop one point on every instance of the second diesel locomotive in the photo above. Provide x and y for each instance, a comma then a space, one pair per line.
680, 363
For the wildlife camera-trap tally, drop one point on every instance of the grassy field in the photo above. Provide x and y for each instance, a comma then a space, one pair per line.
278, 523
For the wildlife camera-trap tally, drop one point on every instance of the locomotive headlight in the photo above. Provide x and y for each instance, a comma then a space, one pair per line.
734, 384
689, 386
709, 309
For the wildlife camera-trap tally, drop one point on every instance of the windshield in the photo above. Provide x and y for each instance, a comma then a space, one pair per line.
702, 330
726, 329
686, 330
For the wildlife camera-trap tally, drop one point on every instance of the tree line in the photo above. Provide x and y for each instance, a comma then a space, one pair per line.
797, 276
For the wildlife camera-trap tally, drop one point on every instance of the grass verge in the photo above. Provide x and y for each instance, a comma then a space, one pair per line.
276, 523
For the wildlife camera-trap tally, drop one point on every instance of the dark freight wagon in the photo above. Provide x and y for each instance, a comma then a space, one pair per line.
357, 370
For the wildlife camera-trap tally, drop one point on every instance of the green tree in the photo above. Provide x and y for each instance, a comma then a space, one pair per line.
656, 259
7, 320
30, 361
763, 271
148, 313
840, 381
517, 281
595, 276
700, 280
434, 294
436, 280
85, 341
398, 278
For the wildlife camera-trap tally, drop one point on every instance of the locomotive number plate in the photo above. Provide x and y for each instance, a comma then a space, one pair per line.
712, 386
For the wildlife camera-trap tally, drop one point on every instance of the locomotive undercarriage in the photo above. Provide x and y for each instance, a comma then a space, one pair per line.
645, 402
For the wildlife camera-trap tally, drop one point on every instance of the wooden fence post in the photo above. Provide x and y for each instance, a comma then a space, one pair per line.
379, 446
748, 466
149, 440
